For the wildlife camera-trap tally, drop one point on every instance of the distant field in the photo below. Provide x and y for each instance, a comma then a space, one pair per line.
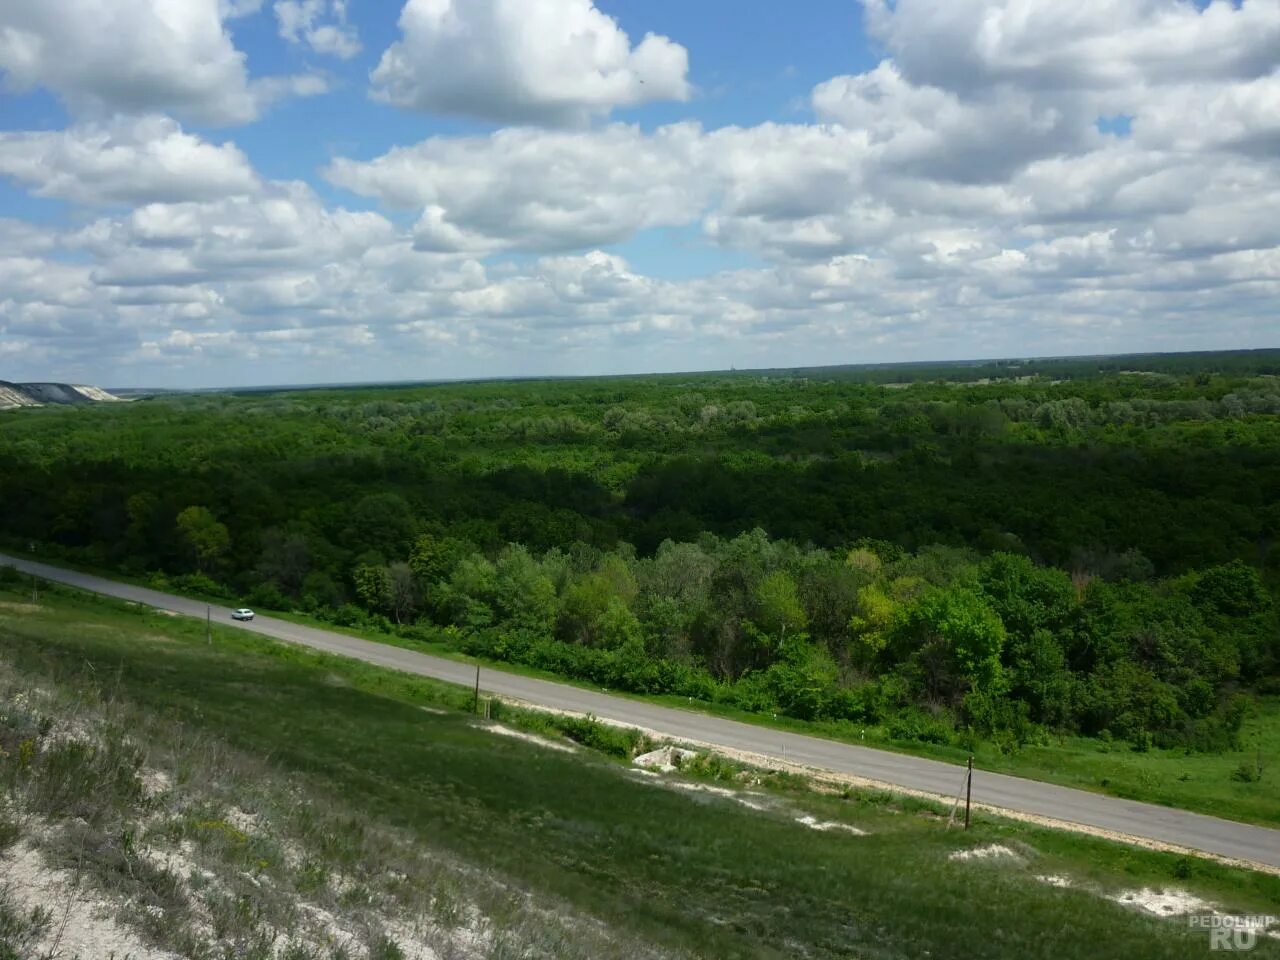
682, 874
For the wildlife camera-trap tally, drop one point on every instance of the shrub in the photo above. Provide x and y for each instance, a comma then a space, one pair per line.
620, 742
198, 584
1246, 773
915, 724
268, 597
710, 766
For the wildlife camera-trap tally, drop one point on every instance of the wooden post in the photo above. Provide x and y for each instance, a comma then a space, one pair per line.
968, 792
475, 704
208, 624
35, 593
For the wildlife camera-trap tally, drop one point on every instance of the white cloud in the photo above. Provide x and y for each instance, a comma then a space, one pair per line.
234, 9
283, 227
957, 199
320, 24
558, 62
1242, 117
134, 56
932, 132
1108, 47
538, 190
127, 161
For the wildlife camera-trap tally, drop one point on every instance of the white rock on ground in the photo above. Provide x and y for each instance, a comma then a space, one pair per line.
753, 801
528, 737
813, 823
992, 851
155, 783
665, 759
1054, 880
1163, 903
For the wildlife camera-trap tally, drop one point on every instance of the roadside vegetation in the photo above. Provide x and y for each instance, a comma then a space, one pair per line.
245, 798
1052, 564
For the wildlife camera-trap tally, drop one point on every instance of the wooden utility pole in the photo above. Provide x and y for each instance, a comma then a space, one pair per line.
968, 792
475, 703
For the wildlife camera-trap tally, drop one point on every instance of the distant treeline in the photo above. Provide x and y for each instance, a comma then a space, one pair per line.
1088, 547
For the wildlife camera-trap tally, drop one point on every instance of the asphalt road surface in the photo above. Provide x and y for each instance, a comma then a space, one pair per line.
1195, 831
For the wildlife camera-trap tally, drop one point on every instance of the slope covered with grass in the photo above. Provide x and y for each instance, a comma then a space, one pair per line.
333, 786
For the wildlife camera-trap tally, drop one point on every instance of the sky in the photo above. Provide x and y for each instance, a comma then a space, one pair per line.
203, 193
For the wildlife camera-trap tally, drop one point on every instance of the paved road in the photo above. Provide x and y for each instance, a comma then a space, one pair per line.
1192, 830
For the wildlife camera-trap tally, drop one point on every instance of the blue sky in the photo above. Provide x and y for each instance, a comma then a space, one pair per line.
256, 191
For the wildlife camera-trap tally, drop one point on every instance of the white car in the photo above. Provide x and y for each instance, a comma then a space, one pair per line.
244, 613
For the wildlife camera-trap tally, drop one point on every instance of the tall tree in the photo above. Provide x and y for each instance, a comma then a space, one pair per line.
207, 539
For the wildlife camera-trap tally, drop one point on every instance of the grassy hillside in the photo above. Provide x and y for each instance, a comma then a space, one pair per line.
315, 777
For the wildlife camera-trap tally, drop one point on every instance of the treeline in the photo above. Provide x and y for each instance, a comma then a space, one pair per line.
933, 644
1078, 506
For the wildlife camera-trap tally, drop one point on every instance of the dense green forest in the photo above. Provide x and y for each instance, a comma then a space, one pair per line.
999, 549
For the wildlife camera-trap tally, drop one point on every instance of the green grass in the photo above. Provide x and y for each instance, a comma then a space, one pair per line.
1201, 782
692, 875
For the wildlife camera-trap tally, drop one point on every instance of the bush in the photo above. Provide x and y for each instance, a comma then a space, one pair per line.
1246, 773
916, 725
1005, 720
268, 597
198, 584
856, 704
620, 742
752, 693
348, 615
710, 766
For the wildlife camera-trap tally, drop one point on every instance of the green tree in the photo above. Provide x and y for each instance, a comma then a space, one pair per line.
777, 608
582, 606
876, 616
523, 596
381, 523
373, 586
402, 591
619, 627
1025, 597
433, 559
285, 560
803, 678
206, 539
468, 598
959, 641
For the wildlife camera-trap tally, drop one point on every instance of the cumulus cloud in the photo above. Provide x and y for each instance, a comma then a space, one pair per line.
537, 190
935, 133
1101, 46
135, 56
283, 227
557, 62
320, 24
135, 161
